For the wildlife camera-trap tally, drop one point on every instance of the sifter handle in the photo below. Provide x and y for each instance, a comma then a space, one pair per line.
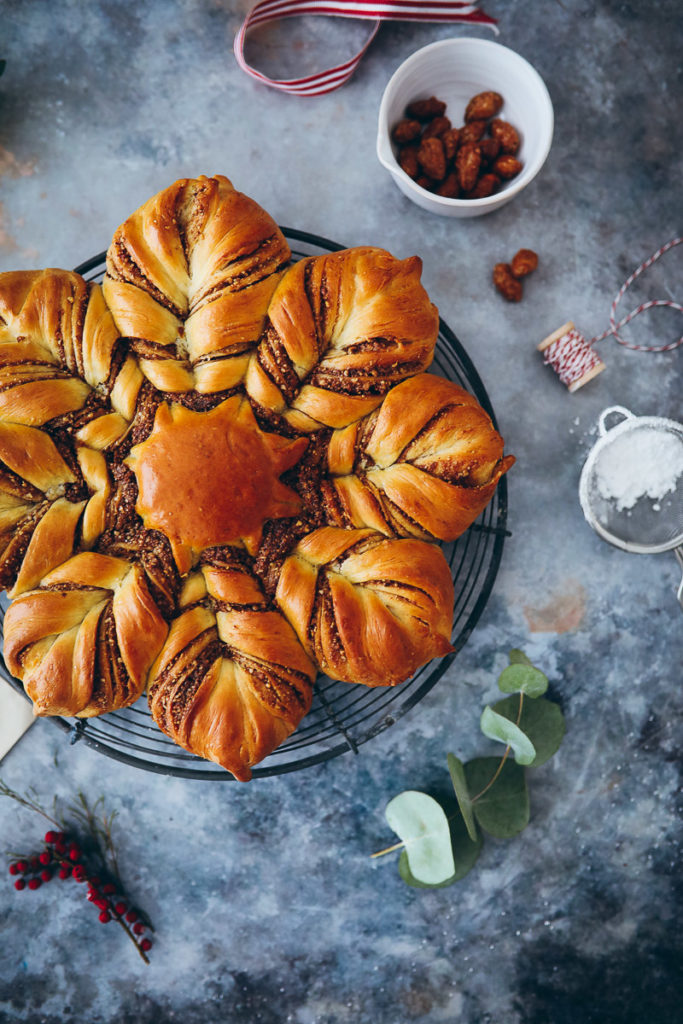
625, 414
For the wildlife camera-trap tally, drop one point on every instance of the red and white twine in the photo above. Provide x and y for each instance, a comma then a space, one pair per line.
574, 359
367, 10
571, 357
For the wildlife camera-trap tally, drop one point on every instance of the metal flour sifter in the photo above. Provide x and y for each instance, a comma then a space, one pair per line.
631, 485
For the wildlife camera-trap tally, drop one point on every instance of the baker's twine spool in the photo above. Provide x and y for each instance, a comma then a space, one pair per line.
574, 359
376, 11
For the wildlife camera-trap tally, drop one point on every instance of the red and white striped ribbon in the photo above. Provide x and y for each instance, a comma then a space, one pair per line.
368, 10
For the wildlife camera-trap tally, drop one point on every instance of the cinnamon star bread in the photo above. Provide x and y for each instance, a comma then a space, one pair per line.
221, 473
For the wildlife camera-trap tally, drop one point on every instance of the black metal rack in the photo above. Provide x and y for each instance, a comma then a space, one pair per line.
343, 716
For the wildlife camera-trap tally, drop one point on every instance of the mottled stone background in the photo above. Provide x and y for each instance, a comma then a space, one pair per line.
268, 907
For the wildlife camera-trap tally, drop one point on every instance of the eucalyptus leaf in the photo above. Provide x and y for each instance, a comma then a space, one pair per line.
541, 720
498, 727
503, 810
524, 679
421, 822
410, 879
465, 853
518, 657
457, 772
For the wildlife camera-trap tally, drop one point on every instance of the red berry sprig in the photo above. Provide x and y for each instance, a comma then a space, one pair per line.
87, 858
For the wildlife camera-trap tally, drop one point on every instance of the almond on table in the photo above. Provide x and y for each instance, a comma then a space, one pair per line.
507, 276
506, 283
524, 262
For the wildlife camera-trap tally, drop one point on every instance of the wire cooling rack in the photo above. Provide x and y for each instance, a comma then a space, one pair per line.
343, 717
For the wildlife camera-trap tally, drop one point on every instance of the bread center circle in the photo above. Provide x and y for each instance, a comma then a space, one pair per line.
212, 478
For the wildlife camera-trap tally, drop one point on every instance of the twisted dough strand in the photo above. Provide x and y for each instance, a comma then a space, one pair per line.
366, 608
189, 277
58, 361
83, 641
232, 681
425, 464
342, 330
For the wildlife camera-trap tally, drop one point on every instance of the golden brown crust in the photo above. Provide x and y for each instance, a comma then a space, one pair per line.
189, 277
53, 319
426, 464
57, 345
176, 469
84, 640
342, 330
366, 608
232, 681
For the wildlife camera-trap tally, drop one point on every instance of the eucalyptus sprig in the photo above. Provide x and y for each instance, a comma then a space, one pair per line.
79, 847
438, 849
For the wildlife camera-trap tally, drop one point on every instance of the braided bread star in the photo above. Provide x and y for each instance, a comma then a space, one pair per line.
221, 473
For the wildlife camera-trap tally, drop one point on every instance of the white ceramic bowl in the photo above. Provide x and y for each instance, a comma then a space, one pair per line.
455, 70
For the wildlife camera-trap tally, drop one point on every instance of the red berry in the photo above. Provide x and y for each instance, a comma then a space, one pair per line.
95, 880
146, 945
45, 857
131, 916
61, 838
109, 889
65, 872
46, 875
74, 853
20, 884
92, 895
79, 873
105, 916
51, 837
138, 928
100, 902
34, 883
120, 909
14, 868
60, 849
22, 866
34, 862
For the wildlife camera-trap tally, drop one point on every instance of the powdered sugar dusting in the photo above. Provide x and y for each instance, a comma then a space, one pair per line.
640, 463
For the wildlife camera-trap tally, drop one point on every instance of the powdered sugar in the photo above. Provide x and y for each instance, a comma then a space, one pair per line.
640, 463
